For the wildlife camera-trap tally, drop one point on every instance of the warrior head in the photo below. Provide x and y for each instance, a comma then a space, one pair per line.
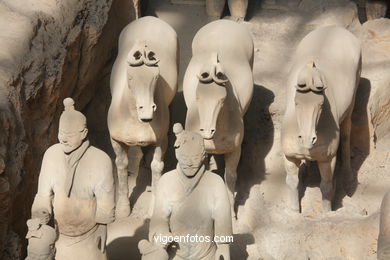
73, 127
190, 151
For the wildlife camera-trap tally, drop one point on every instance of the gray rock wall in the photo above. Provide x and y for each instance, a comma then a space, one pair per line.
49, 50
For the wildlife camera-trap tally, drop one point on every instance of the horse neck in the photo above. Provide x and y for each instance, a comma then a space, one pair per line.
332, 102
230, 105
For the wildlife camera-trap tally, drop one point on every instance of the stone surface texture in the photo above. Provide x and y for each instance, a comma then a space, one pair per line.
48, 50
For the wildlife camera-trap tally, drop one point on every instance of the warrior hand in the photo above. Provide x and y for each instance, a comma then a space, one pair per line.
43, 216
162, 239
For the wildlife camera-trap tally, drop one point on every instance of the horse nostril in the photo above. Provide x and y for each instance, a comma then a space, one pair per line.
212, 131
154, 107
314, 140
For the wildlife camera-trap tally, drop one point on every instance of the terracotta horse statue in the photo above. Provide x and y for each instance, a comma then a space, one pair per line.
143, 83
321, 89
218, 87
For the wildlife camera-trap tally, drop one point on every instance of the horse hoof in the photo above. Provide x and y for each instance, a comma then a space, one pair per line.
326, 206
122, 210
350, 187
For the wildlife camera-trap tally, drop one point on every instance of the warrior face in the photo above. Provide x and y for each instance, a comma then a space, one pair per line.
190, 164
71, 137
190, 153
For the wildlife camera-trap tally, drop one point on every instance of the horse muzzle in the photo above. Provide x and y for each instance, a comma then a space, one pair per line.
207, 134
145, 113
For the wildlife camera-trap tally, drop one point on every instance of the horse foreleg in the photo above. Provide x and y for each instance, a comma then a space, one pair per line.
327, 185
121, 163
238, 8
292, 180
231, 163
157, 165
214, 8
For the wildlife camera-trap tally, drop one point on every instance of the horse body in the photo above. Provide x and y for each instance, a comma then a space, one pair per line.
320, 97
218, 87
143, 83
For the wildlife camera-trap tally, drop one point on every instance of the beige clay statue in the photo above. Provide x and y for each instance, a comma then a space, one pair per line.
237, 8
384, 230
41, 239
191, 202
76, 187
143, 84
321, 90
218, 87
151, 251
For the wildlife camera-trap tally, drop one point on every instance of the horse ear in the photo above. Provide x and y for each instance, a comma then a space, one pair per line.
318, 84
217, 74
150, 58
135, 55
302, 80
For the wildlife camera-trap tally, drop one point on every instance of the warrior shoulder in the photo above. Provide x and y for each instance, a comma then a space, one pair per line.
215, 180
100, 158
167, 179
53, 151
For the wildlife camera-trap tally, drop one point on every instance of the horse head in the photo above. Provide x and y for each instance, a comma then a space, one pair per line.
309, 98
142, 75
210, 95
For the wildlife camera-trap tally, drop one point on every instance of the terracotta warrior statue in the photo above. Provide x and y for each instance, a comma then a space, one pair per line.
76, 187
384, 230
41, 239
192, 204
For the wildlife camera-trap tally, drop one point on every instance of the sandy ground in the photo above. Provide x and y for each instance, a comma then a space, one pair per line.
265, 229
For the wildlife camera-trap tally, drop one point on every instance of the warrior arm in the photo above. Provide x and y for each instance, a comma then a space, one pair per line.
105, 195
159, 223
222, 222
42, 205
221, 213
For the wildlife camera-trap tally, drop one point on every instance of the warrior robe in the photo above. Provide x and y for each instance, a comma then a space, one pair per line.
200, 207
80, 207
